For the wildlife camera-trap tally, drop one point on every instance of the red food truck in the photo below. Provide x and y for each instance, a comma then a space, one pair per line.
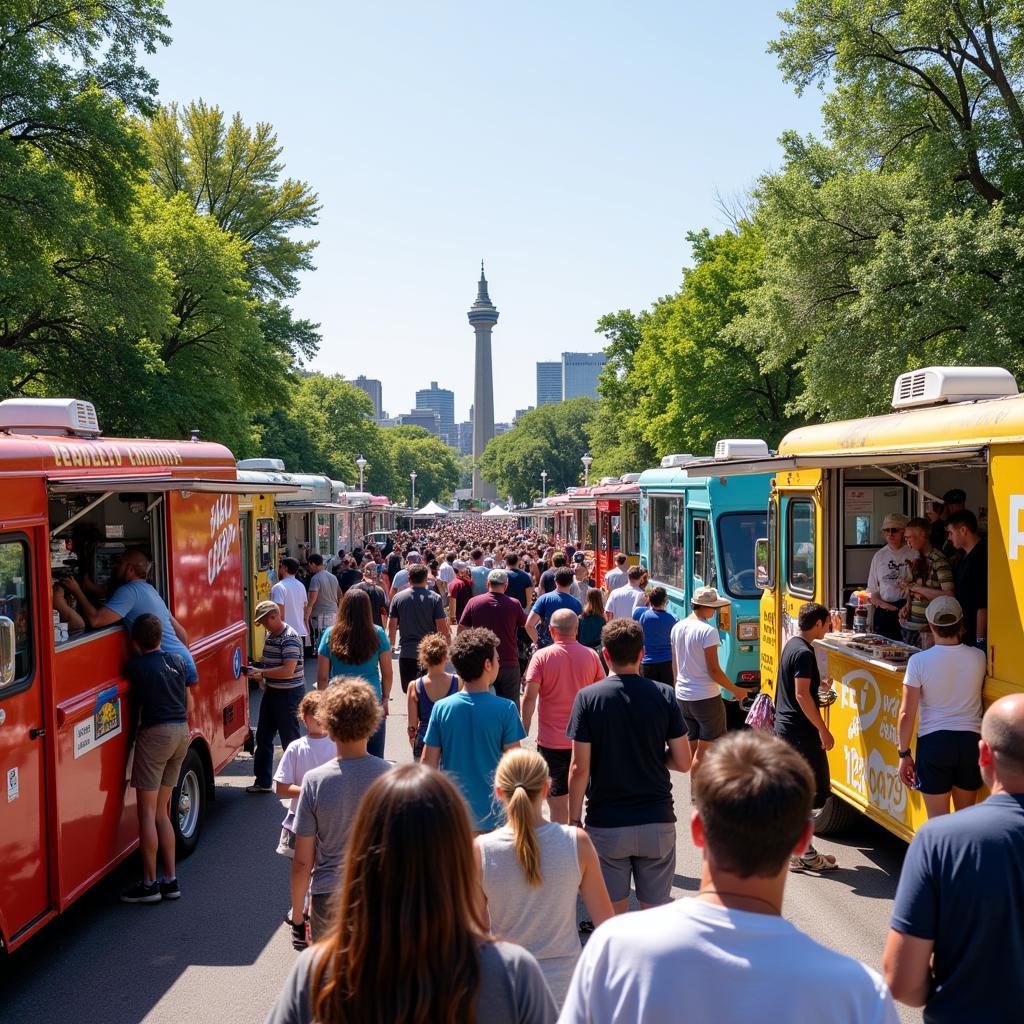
72, 501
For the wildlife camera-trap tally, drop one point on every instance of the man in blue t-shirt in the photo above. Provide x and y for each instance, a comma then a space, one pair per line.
657, 625
547, 604
956, 944
135, 597
469, 731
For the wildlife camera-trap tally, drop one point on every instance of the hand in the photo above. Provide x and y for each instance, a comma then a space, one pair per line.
908, 775
384, 705
298, 931
904, 612
73, 585
827, 740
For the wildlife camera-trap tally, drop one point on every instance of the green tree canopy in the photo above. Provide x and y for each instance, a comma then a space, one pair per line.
437, 471
552, 438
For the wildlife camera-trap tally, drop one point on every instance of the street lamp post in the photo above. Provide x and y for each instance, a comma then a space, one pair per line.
544, 483
586, 460
361, 463
412, 477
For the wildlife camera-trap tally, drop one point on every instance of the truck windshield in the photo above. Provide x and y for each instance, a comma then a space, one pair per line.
737, 533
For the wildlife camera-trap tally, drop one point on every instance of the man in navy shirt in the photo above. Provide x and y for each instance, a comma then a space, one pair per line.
956, 943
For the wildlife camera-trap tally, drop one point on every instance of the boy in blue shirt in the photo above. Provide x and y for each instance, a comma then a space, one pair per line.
161, 688
657, 626
469, 731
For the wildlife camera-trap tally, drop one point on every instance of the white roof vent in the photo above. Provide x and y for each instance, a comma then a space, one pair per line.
49, 416
673, 461
607, 481
741, 448
629, 478
936, 385
264, 465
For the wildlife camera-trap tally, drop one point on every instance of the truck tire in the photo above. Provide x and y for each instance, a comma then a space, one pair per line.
836, 816
188, 804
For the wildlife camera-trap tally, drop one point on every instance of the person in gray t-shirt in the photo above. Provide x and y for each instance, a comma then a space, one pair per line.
322, 604
329, 798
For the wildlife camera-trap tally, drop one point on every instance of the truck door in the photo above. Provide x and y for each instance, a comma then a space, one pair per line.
767, 572
23, 860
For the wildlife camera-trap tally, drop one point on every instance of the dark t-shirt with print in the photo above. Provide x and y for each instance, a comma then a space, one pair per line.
798, 661
627, 720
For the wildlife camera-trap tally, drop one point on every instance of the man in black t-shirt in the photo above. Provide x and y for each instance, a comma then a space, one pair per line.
547, 578
970, 574
620, 728
798, 719
378, 599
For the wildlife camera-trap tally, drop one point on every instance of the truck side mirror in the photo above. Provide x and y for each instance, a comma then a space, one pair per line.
8, 651
762, 575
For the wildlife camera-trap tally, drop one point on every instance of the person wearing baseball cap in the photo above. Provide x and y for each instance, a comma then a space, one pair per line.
886, 572
282, 677
942, 689
698, 676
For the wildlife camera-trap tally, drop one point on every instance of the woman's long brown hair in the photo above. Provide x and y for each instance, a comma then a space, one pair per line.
405, 948
353, 639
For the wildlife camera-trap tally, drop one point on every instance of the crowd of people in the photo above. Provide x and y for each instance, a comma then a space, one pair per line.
440, 890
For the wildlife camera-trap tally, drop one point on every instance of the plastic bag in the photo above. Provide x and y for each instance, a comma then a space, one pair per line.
762, 713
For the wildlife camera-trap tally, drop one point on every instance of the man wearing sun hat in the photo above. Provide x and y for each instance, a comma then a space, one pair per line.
885, 575
698, 675
942, 689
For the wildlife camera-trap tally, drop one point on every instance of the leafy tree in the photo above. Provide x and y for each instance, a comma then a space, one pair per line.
413, 448
552, 438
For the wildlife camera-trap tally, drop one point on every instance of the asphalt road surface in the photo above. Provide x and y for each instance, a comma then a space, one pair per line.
222, 952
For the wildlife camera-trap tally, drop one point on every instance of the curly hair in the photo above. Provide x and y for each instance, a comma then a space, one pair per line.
470, 649
433, 650
350, 710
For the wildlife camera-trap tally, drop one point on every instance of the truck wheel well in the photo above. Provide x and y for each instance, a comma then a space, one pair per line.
200, 747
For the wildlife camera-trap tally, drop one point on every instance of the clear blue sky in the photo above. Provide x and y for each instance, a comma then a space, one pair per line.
570, 144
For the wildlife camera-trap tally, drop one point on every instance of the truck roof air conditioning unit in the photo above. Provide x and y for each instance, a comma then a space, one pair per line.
941, 385
741, 448
607, 481
62, 416
265, 465
629, 478
674, 461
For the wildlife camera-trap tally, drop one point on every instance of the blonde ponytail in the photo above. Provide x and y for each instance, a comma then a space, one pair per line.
520, 777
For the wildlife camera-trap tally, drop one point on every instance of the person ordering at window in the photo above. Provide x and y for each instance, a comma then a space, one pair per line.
886, 572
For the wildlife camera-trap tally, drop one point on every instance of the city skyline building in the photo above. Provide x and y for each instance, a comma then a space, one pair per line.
426, 418
375, 390
549, 383
482, 317
580, 371
442, 401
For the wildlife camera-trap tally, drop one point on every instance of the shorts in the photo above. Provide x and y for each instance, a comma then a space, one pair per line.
945, 759
159, 751
558, 762
321, 914
645, 852
286, 844
808, 746
659, 671
509, 683
705, 719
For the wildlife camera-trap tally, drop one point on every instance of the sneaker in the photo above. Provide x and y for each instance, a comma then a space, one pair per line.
170, 890
142, 892
259, 789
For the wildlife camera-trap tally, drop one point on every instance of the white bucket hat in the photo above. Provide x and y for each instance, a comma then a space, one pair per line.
708, 597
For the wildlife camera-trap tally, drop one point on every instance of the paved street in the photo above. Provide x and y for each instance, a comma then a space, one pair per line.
221, 952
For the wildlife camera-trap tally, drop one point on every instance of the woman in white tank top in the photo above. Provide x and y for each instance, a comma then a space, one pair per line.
532, 870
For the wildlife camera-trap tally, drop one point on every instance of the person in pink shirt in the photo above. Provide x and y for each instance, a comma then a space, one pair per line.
555, 675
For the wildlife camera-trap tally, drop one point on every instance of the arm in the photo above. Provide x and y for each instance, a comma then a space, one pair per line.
530, 702
286, 670
302, 868
677, 756
906, 965
287, 789
592, 887
442, 627
97, 618
981, 629
392, 629
323, 671
716, 673
75, 621
190, 703
412, 714
909, 703
809, 706
179, 631
431, 756
387, 670
308, 610
579, 777
452, 614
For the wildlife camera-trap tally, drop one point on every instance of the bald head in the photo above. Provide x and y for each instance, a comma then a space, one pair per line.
1002, 730
565, 623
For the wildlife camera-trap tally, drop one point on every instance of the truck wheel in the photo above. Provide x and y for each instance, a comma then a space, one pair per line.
836, 816
188, 803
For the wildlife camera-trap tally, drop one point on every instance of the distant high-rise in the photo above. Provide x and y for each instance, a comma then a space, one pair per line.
464, 436
442, 401
428, 419
375, 390
580, 371
549, 383
482, 318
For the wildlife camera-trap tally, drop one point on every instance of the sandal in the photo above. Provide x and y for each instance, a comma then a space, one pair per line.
586, 927
813, 862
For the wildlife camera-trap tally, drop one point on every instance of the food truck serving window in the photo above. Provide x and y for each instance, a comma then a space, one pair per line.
264, 544
667, 540
800, 547
15, 605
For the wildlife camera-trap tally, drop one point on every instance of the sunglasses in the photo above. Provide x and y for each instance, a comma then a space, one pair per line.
893, 529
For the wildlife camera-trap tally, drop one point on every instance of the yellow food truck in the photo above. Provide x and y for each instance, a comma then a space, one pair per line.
834, 483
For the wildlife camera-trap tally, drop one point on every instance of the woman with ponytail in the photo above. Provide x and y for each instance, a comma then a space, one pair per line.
533, 868
409, 943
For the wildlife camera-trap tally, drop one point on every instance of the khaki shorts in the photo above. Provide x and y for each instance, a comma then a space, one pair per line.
159, 751
645, 853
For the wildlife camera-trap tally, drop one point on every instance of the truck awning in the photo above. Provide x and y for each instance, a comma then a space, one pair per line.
831, 460
312, 506
160, 483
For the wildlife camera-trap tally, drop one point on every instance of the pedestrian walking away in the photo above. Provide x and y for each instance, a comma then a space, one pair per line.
322, 602
290, 597
435, 684
547, 604
532, 870
415, 612
657, 623
411, 846
622, 601
727, 955
281, 677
